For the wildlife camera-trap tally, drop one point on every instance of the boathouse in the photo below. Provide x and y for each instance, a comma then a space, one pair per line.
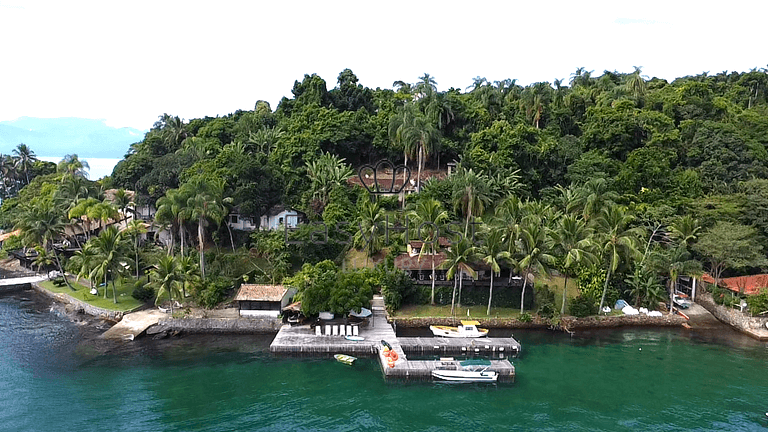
263, 300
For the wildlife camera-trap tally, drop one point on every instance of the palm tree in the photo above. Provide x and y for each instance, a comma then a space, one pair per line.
534, 246
42, 224
134, 230
204, 203
509, 214
110, 250
430, 213
166, 276
635, 83
189, 272
265, 139
573, 239
25, 158
458, 261
172, 210
618, 241
82, 209
415, 133
103, 212
71, 165
593, 197
123, 200
493, 253
471, 195
370, 221
325, 173
83, 262
685, 229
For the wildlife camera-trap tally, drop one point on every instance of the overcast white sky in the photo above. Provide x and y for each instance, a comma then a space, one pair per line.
130, 61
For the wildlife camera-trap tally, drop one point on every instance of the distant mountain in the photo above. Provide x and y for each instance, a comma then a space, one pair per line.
88, 138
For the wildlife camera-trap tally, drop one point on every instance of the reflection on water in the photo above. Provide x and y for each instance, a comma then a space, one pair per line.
649, 379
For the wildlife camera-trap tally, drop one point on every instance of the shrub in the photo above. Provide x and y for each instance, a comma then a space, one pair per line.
58, 281
526, 317
212, 292
396, 286
143, 292
583, 306
758, 303
545, 298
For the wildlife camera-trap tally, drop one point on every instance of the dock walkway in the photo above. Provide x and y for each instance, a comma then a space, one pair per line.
302, 341
134, 324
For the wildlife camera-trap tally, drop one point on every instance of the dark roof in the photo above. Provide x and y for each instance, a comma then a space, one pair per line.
279, 208
250, 292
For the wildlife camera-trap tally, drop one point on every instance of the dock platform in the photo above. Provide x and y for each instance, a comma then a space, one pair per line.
303, 341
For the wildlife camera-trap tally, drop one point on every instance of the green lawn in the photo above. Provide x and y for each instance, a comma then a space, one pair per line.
124, 300
475, 312
556, 284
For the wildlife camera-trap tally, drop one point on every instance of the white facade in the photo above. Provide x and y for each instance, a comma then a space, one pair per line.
238, 222
289, 218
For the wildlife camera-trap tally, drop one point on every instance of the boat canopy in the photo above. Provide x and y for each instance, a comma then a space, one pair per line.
475, 362
468, 323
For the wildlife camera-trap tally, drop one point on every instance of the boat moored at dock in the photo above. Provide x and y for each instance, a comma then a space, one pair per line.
467, 329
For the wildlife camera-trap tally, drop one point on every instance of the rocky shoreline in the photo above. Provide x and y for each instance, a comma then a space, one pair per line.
567, 323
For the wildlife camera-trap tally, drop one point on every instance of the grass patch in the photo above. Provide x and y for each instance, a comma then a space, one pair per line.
555, 284
124, 290
442, 311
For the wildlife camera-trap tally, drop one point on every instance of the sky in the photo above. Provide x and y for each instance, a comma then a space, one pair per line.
128, 62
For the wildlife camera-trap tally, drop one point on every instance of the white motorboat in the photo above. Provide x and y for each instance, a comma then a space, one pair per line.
467, 329
470, 371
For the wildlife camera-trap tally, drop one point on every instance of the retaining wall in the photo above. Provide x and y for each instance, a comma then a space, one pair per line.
81, 306
222, 325
568, 322
753, 326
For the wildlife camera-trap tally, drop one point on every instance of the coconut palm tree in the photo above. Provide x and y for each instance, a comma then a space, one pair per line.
685, 230
82, 210
134, 230
430, 216
471, 195
172, 210
25, 158
617, 241
493, 252
42, 224
535, 245
594, 196
167, 278
370, 222
84, 261
189, 273
110, 251
71, 165
574, 241
458, 261
204, 204
123, 200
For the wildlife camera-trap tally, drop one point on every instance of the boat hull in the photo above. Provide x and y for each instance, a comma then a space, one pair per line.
346, 359
465, 376
452, 332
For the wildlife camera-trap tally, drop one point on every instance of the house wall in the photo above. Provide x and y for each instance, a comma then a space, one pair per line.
290, 218
259, 313
242, 224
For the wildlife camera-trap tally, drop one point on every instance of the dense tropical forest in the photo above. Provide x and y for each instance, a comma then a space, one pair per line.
616, 180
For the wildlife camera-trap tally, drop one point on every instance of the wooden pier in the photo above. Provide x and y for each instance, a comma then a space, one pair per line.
303, 341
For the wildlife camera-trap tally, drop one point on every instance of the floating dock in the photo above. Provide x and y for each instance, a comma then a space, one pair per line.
303, 341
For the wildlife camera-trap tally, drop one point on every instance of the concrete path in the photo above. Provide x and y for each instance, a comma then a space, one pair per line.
134, 324
22, 280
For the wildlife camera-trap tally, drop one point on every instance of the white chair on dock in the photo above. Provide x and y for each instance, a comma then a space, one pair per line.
342, 330
349, 330
318, 330
327, 329
355, 331
335, 330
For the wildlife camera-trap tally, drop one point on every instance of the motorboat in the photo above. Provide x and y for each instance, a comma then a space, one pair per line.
681, 302
354, 338
346, 359
469, 371
467, 329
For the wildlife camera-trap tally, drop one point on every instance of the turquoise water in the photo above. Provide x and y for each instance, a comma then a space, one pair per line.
55, 376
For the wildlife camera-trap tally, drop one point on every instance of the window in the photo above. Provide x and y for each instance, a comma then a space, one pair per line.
280, 221
233, 219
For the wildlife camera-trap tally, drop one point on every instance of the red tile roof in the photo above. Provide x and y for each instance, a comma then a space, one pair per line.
261, 292
741, 284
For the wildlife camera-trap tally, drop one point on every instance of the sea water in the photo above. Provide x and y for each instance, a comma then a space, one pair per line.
56, 376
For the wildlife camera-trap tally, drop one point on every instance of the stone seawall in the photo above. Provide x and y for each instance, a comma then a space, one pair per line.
570, 323
222, 325
752, 326
16, 287
80, 306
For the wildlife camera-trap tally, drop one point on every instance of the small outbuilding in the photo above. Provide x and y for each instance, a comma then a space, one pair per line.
263, 300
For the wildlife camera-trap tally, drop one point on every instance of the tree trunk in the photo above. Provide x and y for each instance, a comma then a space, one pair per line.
420, 162
522, 293
490, 295
565, 289
181, 238
605, 289
672, 283
231, 239
461, 284
432, 298
136, 245
453, 296
201, 239
61, 269
114, 290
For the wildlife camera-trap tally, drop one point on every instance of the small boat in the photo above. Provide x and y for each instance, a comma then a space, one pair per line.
354, 338
467, 329
386, 344
471, 371
681, 302
346, 359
